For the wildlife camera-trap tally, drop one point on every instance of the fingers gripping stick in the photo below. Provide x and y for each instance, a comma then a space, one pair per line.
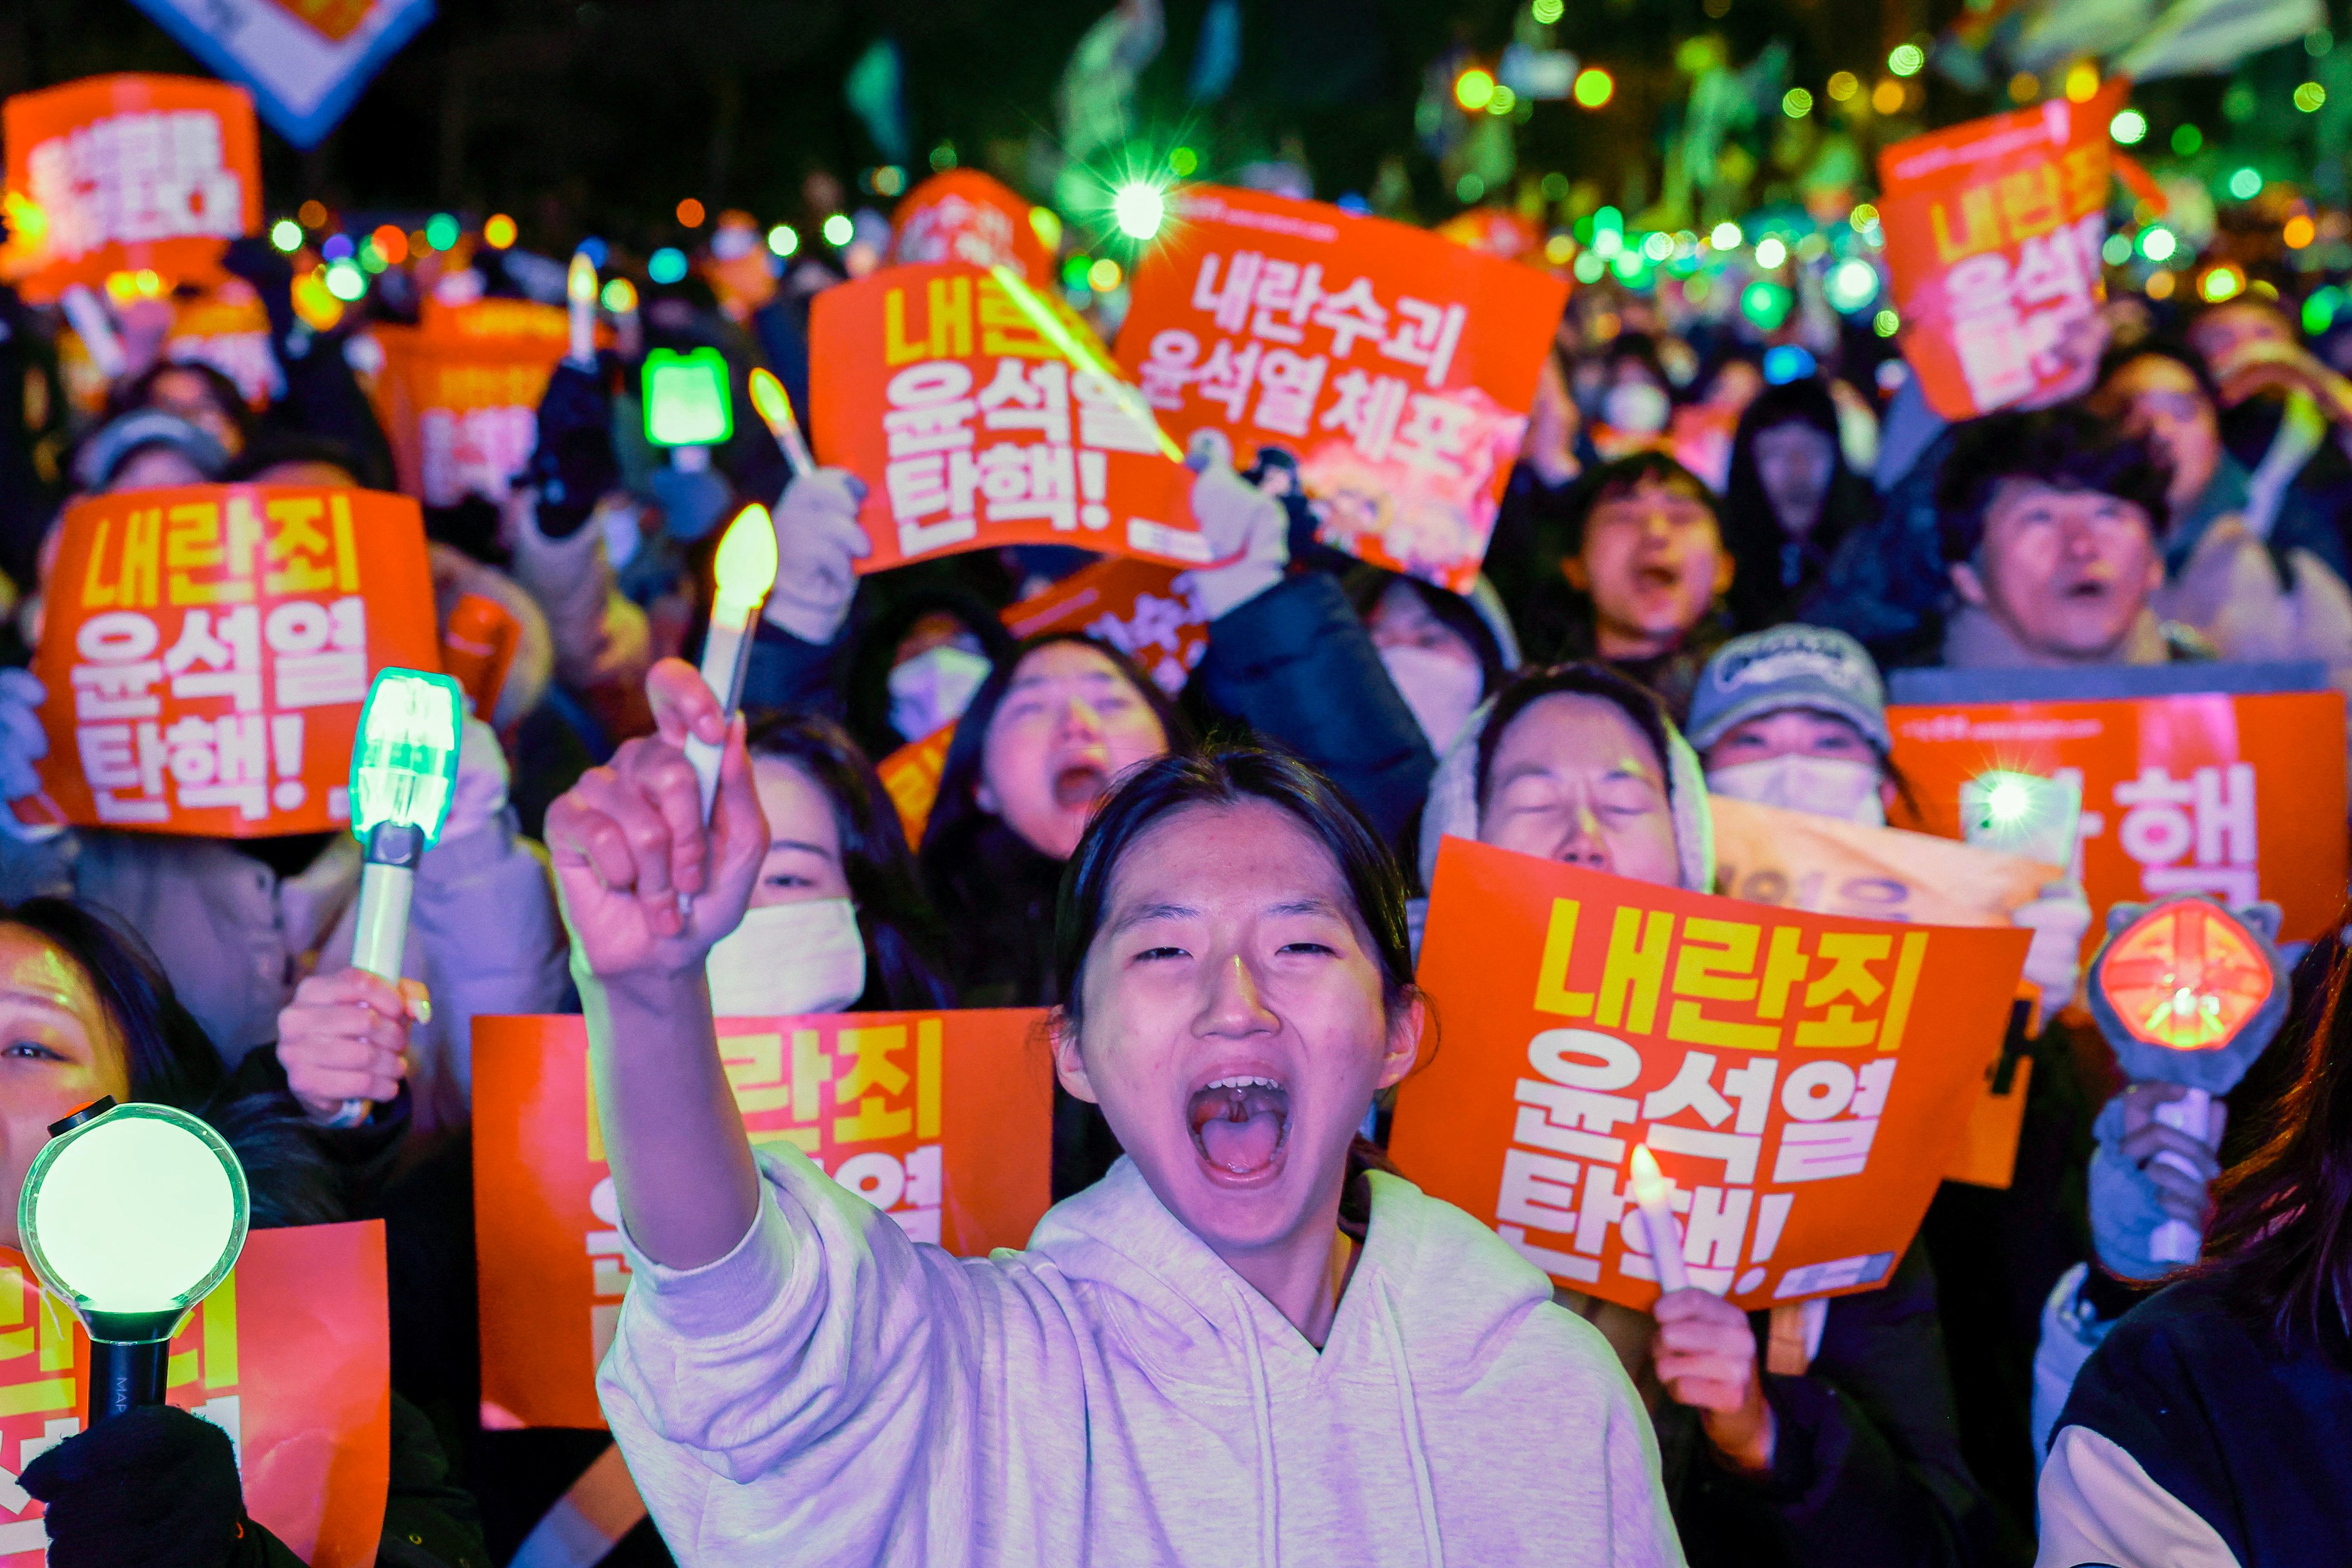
746, 569
2175, 1240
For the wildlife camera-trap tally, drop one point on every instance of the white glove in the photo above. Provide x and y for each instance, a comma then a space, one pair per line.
1247, 529
817, 539
2058, 919
23, 741
481, 791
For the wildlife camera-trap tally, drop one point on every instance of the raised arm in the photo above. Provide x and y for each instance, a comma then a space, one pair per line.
645, 890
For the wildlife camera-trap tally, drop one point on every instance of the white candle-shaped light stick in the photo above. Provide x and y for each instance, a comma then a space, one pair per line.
775, 409
1651, 1192
746, 569
579, 289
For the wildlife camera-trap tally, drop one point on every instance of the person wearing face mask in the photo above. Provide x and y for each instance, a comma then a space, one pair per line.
1790, 500
2253, 599
1635, 406
1444, 652
837, 921
916, 662
2287, 419
1818, 1434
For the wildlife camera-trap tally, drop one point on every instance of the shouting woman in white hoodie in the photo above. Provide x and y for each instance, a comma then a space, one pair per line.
1242, 1346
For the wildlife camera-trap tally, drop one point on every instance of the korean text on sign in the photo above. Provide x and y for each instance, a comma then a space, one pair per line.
2239, 796
1149, 613
1396, 366
1800, 1077
1993, 231
940, 1119
207, 651
460, 395
973, 426
123, 172
306, 1401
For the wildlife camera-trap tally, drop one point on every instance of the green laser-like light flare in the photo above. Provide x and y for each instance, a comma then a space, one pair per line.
1129, 400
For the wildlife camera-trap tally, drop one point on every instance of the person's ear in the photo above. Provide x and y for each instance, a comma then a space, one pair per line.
1969, 586
1070, 1062
1403, 1041
984, 797
1723, 568
1578, 575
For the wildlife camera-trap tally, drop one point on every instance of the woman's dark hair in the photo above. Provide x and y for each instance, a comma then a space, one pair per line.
2281, 1230
1368, 585
1752, 531
1226, 776
272, 447
1614, 481
901, 934
135, 393
2067, 448
1639, 703
2116, 358
956, 813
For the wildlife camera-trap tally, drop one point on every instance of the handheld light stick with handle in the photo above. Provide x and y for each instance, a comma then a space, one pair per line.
580, 293
403, 775
774, 406
746, 569
1651, 1196
131, 1214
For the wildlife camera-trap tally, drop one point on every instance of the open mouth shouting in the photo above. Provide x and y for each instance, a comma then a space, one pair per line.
1241, 1126
1077, 785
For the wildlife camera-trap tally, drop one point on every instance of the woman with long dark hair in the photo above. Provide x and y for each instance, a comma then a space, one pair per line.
2214, 1425
1789, 499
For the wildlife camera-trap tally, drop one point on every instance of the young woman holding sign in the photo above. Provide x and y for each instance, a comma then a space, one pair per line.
1243, 1345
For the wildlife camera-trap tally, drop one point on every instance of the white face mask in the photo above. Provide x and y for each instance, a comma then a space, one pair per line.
789, 958
1440, 689
1821, 786
1636, 408
934, 688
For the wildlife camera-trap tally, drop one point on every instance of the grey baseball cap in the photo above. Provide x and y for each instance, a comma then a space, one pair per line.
115, 440
1812, 668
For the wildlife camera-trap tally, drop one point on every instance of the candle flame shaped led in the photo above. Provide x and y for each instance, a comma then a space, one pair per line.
746, 569
1651, 1196
580, 288
775, 410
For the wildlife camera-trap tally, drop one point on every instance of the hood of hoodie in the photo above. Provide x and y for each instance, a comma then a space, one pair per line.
1453, 805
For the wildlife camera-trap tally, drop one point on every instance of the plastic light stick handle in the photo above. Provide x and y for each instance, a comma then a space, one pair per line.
90, 324
724, 651
380, 942
1665, 1246
796, 450
2175, 1240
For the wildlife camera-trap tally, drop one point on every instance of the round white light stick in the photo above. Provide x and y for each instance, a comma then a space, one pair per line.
746, 569
1651, 1192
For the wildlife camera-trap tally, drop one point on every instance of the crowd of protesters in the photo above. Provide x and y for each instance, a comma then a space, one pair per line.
1199, 1372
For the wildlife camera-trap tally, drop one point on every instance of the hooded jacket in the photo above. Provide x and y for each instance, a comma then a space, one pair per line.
830, 1393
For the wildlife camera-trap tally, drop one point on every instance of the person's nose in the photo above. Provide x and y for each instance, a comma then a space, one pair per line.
1080, 724
1234, 1008
1581, 844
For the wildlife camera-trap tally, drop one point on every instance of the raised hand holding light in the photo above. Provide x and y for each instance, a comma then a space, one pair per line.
131, 1214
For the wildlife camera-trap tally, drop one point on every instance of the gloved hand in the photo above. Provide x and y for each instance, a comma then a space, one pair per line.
818, 540
1247, 530
153, 1488
574, 463
2058, 919
2132, 1192
23, 741
482, 778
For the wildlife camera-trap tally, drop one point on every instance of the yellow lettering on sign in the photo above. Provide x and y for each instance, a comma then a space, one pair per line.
1552, 994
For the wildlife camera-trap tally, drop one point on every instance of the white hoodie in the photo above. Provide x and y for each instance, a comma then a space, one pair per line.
830, 1393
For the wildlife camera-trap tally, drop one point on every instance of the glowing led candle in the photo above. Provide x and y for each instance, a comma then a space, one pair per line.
775, 410
580, 288
1651, 1191
746, 569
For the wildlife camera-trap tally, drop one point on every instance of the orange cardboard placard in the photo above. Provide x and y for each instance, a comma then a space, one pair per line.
2239, 796
1146, 611
291, 1357
1993, 231
127, 174
944, 1119
911, 774
1796, 1076
966, 216
228, 328
954, 392
1397, 366
207, 650
459, 392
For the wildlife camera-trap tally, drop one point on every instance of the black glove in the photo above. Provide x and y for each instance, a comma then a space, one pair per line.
574, 463
153, 1488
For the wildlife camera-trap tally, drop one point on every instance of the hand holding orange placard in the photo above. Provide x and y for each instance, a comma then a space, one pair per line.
942, 1119
1796, 1076
207, 651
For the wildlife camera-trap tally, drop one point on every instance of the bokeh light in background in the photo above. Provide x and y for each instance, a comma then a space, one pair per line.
1726, 235
1843, 85
2186, 140
1595, 86
2245, 185
1771, 252
2129, 127
1473, 89
1905, 59
441, 231
390, 244
286, 234
689, 213
666, 265
1796, 103
1138, 209
838, 230
498, 232
784, 240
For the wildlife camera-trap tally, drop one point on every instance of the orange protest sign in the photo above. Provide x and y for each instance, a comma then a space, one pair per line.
1796, 1075
1146, 611
127, 174
911, 775
459, 392
980, 413
291, 1357
2239, 796
1993, 231
966, 216
943, 1120
1768, 856
1397, 366
207, 651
